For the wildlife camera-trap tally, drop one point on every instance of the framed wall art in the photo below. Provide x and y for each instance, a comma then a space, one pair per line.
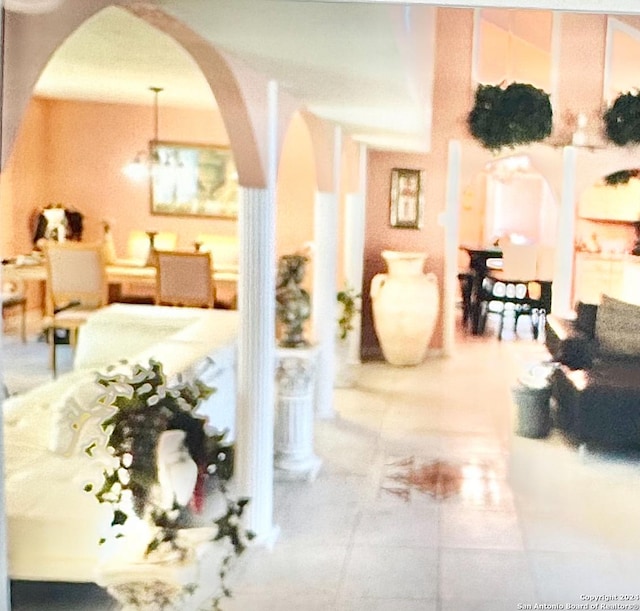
406, 198
193, 180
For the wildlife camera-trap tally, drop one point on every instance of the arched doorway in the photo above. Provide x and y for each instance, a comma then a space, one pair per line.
508, 202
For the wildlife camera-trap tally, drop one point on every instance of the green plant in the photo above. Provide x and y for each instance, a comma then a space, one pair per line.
349, 300
517, 114
621, 177
144, 407
622, 120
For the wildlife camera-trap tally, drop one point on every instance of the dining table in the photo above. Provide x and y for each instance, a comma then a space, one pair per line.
29, 269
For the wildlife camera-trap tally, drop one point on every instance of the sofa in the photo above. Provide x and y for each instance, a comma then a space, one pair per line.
54, 525
596, 385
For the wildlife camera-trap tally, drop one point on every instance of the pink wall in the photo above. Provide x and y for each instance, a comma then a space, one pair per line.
296, 189
84, 147
79, 162
581, 52
22, 183
381, 236
452, 97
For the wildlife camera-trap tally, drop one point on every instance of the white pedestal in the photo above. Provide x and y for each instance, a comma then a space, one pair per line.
170, 584
293, 437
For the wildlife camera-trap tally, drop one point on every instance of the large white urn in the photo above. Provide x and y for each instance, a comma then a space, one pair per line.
405, 307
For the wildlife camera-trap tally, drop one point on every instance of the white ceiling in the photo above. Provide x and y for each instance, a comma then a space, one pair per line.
347, 62
366, 66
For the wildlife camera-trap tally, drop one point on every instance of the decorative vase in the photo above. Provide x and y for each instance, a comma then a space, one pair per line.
108, 245
293, 304
405, 307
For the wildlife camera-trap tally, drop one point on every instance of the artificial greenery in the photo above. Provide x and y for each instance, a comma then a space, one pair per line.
621, 177
348, 299
143, 407
517, 114
622, 120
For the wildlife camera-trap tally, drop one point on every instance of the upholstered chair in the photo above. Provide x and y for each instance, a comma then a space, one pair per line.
76, 287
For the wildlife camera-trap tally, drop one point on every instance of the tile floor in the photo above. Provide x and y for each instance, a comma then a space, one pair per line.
426, 501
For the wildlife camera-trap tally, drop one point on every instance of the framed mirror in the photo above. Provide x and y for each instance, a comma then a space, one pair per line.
193, 180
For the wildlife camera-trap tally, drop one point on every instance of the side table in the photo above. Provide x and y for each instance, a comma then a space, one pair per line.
294, 414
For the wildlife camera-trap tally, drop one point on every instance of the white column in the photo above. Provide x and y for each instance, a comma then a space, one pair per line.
325, 265
324, 298
563, 276
354, 228
450, 221
256, 358
256, 345
4, 566
354, 239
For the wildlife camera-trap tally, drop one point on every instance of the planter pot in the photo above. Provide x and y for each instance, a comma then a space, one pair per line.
345, 374
405, 307
534, 411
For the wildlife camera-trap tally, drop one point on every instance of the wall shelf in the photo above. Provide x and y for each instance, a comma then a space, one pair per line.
608, 221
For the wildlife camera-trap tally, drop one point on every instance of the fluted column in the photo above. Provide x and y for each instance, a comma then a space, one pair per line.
324, 298
256, 357
256, 346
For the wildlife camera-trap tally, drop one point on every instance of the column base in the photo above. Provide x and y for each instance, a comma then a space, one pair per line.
291, 469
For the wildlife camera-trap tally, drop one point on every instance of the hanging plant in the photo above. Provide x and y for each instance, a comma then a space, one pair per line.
517, 114
622, 120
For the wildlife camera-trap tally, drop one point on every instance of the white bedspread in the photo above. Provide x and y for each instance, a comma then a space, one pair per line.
54, 525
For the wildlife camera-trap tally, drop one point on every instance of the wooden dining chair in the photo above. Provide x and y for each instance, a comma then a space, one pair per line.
184, 279
76, 287
514, 288
13, 297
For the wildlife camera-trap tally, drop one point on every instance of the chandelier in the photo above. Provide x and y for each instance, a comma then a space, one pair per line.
149, 164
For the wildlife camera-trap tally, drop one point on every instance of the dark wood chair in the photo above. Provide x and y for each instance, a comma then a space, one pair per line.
466, 292
518, 297
516, 289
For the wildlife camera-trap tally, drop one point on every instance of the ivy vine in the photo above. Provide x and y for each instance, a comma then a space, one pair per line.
348, 299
